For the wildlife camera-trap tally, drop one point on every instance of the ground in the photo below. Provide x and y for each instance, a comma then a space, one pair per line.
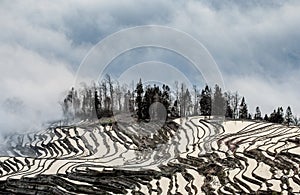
188, 156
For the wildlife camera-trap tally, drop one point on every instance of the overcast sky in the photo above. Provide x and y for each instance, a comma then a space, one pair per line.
255, 44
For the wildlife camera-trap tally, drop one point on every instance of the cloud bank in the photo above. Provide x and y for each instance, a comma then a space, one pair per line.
255, 43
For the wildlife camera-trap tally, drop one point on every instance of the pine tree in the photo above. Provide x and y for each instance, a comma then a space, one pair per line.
266, 118
76, 104
280, 115
229, 111
277, 116
147, 101
289, 116
139, 99
273, 117
249, 116
131, 101
205, 101
257, 115
174, 109
182, 100
84, 106
166, 97
296, 121
97, 104
243, 109
67, 105
218, 106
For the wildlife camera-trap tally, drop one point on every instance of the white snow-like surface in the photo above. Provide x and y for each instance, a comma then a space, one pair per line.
196, 138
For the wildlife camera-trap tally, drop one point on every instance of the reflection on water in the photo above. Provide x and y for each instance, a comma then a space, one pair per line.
189, 156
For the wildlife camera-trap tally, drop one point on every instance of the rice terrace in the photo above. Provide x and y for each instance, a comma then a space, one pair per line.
144, 149
186, 156
155, 97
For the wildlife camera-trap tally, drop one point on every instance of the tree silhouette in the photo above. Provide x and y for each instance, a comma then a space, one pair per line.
218, 106
166, 101
196, 103
296, 121
97, 104
101, 100
187, 102
205, 101
182, 100
111, 92
118, 92
280, 115
147, 101
277, 116
176, 104
174, 109
289, 116
266, 118
243, 109
236, 100
257, 115
139, 99
229, 111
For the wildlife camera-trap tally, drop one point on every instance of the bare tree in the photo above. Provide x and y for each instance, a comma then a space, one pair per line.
196, 95
132, 98
126, 97
235, 104
177, 101
182, 100
111, 90
188, 103
119, 96
176, 90
100, 96
105, 97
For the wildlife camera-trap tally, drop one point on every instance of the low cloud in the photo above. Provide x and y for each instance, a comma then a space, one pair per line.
267, 94
34, 84
255, 43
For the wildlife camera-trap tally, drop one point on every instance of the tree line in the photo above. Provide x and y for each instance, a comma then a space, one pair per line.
108, 97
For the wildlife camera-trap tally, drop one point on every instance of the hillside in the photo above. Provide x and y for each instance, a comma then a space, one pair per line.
187, 156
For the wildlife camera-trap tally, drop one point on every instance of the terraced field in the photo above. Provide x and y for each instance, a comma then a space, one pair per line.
186, 156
